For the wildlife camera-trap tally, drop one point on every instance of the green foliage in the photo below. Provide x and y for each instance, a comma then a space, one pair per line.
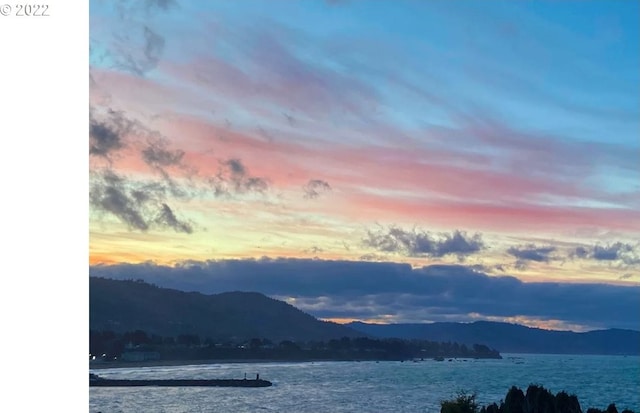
514, 401
463, 403
612, 408
537, 399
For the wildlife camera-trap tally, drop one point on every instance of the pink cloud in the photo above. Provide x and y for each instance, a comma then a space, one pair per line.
501, 183
440, 172
490, 217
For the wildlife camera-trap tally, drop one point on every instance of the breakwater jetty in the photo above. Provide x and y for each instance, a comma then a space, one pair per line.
97, 381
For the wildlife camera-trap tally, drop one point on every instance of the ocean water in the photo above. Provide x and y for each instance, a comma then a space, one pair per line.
334, 387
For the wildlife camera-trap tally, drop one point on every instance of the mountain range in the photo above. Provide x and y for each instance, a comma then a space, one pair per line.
512, 338
127, 305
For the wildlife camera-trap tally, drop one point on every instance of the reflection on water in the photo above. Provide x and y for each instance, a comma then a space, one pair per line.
375, 387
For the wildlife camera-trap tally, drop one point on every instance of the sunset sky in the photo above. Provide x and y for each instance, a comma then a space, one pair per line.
387, 161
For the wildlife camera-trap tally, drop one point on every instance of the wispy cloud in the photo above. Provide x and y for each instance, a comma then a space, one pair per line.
106, 136
314, 250
161, 159
423, 243
139, 205
531, 252
168, 218
109, 194
625, 253
129, 35
157, 156
233, 178
164, 5
611, 252
316, 187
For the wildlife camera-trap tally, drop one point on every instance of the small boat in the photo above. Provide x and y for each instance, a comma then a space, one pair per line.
97, 381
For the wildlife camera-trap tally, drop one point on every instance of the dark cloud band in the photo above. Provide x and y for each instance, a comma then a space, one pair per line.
356, 289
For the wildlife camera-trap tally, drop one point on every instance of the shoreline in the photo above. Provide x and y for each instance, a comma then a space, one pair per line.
171, 363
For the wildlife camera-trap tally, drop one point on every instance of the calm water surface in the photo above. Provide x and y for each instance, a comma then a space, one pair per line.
375, 387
